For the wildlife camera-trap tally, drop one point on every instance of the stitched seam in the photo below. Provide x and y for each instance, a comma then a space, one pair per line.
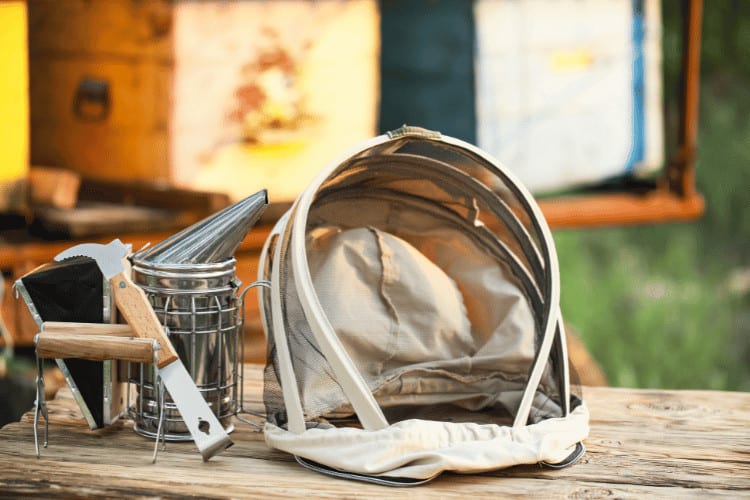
389, 275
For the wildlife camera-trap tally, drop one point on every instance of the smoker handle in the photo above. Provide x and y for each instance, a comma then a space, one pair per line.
65, 327
94, 347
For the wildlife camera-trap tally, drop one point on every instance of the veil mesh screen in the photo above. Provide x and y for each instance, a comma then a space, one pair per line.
397, 251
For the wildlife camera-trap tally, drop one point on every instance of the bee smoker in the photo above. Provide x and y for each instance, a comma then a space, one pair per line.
191, 283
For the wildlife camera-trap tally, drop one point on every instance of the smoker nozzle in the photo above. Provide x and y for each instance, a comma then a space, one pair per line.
213, 239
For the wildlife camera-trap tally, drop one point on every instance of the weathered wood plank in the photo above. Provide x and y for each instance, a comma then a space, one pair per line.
55, 187
75, 442
681, 424
251, 477
95, 219
719, 445
668, 408
642, 444
149, 194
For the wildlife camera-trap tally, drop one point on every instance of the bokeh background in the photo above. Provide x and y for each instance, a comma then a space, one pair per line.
668, 305
657, 305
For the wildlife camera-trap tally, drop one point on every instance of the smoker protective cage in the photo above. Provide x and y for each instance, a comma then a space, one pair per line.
413, 319
200, 306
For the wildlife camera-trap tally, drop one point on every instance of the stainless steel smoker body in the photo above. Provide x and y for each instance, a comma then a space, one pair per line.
200, 306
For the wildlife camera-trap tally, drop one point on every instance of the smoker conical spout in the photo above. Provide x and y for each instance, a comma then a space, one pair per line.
213, 239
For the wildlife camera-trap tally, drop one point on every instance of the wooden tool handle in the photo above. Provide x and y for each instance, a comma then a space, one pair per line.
135, 308
61, 327
94, 347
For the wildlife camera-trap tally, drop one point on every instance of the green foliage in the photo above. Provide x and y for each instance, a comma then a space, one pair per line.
669, 305
650, 313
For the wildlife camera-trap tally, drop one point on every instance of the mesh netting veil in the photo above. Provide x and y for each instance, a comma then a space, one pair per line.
413, 321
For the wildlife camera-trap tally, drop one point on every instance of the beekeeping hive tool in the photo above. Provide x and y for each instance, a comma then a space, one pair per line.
203, 425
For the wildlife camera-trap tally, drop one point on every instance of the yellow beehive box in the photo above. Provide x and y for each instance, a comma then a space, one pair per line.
14, 105
212, 95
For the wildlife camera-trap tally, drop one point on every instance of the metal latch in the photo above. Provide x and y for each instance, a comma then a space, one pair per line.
91, 102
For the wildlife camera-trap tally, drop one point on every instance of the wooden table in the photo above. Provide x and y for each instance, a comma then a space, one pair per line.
643, 443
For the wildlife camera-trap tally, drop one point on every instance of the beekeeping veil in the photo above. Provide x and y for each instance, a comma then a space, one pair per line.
413, 319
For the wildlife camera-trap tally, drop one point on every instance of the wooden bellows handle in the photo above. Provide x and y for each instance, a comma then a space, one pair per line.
94, 347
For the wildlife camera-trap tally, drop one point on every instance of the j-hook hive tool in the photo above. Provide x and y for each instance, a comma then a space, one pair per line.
205, 429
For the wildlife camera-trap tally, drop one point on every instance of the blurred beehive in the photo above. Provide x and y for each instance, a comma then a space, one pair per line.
214, 95
14, 105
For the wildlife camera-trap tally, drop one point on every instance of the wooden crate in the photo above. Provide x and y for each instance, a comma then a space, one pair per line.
213, 95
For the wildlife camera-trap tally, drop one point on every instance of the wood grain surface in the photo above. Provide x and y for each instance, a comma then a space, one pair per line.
643, 444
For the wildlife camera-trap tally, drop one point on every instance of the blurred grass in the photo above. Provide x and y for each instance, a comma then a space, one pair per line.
669, 305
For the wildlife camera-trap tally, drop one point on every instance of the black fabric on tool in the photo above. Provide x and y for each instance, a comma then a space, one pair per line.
72, 291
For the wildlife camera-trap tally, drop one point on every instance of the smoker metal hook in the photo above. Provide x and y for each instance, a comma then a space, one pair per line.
242, 409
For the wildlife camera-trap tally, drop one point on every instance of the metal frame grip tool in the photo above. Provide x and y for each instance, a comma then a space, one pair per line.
206, 430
